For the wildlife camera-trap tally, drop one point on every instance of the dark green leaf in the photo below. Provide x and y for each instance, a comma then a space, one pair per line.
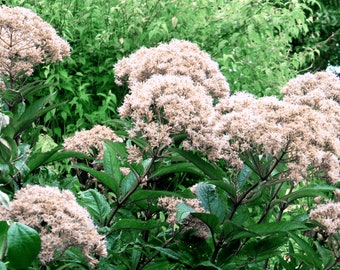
183, 210
38, 159
312, 257
136, 224
222, 184
22, 242
243, 176
101, 176
211, 200
142, 194
111, 161
211, 220
177, 168
96, 205
210, 170
320, 190
3, 237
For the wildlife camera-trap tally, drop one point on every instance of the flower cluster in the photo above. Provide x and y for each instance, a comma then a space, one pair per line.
61, 221
86, 140
328, 215
190, 223
304, 136
25, 41
176, 88
173, 89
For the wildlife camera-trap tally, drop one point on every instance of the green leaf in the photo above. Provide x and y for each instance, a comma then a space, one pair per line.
2, 266
183, 210
210, 170
243, 176
312, 257
211, 220
3, 237
169, 252
96, 205
225, 186
211, 200
177, 168
111, 162
101, 176
136, 224
4, 199
22, 242
37, 159
308, 191
142, 194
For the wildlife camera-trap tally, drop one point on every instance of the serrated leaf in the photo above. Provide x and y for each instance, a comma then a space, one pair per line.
243, 176
22, 242
96, 205
211, 200
183, 210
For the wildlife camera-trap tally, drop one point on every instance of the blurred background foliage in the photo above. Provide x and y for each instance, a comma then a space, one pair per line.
259, 45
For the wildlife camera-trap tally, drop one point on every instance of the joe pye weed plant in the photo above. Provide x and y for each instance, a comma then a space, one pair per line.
194, 177
215, 180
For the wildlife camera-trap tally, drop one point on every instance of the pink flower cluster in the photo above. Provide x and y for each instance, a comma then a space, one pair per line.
25, 41
176, 88
61, 221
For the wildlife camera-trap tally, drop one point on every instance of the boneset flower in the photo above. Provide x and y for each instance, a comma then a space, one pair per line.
25, 41
61, 221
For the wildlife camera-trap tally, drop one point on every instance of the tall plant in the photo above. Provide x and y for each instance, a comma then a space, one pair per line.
216, 180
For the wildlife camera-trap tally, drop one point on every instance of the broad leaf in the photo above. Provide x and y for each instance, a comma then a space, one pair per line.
211, 220
243, 176
4, 199
111, 162
211, 200
177, 168
3, 237
102, 177
312, 257
210, 170
22, 242
136, 224
96, 205
183, 210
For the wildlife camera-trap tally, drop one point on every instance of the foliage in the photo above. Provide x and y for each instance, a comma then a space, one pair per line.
255, 53
246, 218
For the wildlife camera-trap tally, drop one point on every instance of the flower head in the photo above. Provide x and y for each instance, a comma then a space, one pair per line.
25, 41
61, 221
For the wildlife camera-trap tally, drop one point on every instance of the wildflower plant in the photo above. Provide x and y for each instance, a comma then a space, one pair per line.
217, 179
26, 40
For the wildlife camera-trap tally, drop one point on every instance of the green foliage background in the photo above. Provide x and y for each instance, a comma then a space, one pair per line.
259, 45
